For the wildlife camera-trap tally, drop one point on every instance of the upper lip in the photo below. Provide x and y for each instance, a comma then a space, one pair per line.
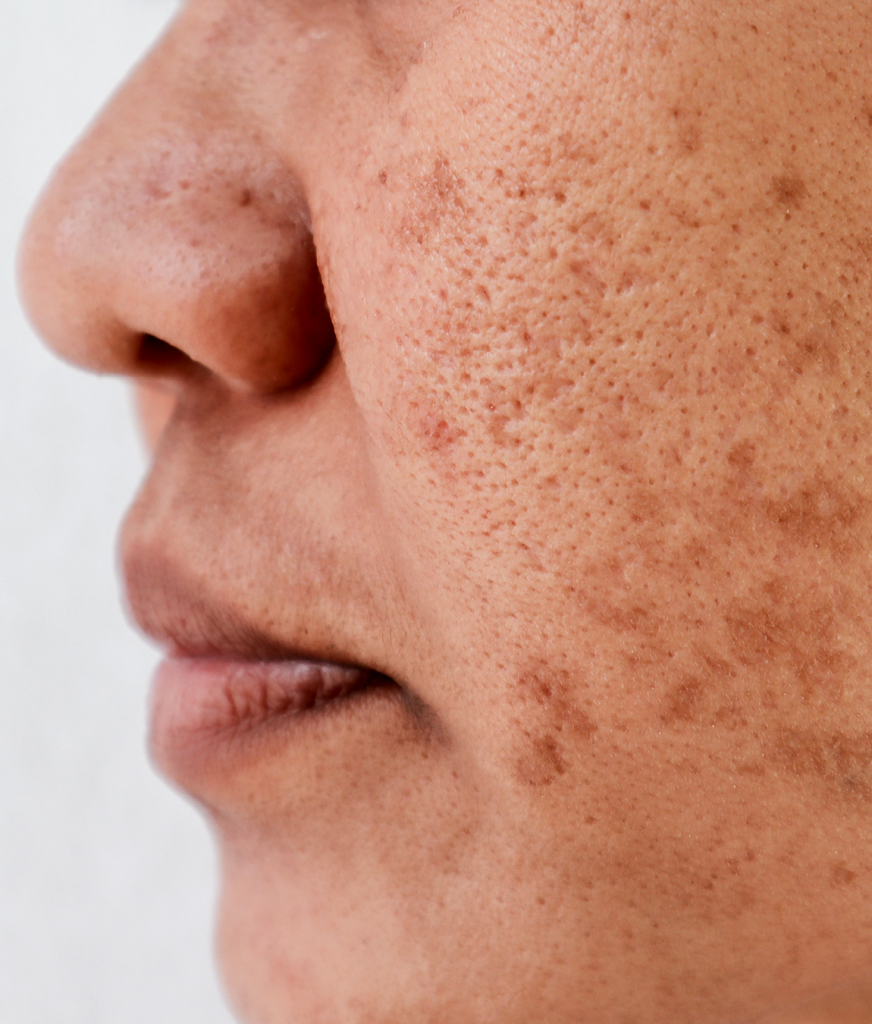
240, 548
178, 612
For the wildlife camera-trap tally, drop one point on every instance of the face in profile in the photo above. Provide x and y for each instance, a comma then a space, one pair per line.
507, 370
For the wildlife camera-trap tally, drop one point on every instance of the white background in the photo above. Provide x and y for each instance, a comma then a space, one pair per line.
106, 876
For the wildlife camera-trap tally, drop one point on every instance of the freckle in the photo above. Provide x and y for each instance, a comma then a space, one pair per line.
683, 702
817, 349
246, 198
438, 434
155, 191
841, 875
546, 693
742, 455
635, 619
646, 506
690, 138
587, 278
840, 761
819, 513
541, 763
788, 189
383, 177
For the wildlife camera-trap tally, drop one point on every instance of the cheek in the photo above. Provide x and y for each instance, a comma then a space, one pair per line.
602, 360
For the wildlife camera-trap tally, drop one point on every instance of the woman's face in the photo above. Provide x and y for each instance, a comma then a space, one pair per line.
517, 350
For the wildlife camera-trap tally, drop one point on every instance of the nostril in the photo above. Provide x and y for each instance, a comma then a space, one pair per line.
156, 357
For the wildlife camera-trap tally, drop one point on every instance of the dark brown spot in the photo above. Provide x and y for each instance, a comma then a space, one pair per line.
788, 189
438, 194
446, 184
839, 760
817, 349
683, 702
841, 875
632, 618
437, 433
790, 632
548, 708
541, 762
820, 514
690, 138
591, 284
742, 456
551, 693
759, 632
646, 507
685, 216
689, 131
156, 191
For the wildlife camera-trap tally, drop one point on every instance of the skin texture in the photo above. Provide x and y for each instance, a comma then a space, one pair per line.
518, 349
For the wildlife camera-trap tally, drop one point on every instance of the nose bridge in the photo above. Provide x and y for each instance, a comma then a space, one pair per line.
175, 219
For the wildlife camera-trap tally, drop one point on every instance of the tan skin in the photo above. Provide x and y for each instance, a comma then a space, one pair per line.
585, 469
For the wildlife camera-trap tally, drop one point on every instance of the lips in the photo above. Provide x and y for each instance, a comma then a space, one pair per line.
199, 698
226, 687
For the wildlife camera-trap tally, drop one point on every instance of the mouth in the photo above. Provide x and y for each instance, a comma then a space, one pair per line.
205, 700
226, 690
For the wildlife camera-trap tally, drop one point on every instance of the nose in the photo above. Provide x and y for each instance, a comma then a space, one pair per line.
174, 235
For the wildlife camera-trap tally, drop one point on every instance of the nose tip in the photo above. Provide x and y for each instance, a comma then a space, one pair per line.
169, 221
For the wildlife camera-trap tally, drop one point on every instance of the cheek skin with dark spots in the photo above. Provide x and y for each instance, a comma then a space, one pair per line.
693, 509
619, 385
550, 724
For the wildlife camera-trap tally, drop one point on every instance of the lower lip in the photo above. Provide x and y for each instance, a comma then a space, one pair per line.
197, 700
